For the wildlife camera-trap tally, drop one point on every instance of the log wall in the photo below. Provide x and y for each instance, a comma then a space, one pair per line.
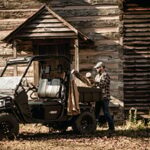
136, 41
98, 19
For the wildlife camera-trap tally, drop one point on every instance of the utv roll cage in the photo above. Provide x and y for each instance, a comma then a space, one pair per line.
28, 60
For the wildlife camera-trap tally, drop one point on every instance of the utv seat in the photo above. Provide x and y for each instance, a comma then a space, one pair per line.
52, 89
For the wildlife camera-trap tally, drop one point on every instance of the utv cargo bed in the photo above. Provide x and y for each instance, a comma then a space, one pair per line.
88, 94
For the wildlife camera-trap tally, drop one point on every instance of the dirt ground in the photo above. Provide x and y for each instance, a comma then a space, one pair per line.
37, 137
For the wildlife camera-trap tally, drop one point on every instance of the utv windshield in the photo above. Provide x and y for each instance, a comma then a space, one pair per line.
9, 83
20, 71
12, 74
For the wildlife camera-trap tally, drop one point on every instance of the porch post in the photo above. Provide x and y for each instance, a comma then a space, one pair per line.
36, 65
76, 45
15, 56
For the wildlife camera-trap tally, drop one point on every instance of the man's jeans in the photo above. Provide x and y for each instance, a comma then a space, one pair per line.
104, 104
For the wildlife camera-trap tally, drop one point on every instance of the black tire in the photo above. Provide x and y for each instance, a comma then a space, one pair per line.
61, 127
9, 126
85, 123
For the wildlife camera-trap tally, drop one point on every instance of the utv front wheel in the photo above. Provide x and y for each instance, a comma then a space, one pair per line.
9, 126
60, 126
85, 123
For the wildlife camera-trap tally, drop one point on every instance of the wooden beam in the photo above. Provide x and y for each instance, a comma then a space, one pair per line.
15, 56
36, 67
47, 35
36, 73
76, 46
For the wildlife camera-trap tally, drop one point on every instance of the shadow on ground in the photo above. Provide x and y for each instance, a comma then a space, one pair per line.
140, 133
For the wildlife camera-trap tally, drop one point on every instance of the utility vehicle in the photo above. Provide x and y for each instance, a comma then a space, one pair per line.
47, 102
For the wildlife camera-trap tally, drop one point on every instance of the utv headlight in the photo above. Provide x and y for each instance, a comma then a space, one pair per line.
2, 103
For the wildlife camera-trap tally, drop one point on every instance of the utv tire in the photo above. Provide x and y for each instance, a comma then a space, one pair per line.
9, 126
61, 127
85, 123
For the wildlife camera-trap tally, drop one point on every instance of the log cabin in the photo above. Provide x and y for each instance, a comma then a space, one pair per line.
117, 29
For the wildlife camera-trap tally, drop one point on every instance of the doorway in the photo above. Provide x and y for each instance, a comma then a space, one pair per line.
56, 47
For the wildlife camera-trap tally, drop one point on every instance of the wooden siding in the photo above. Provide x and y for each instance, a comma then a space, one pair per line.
136, 41
43, 24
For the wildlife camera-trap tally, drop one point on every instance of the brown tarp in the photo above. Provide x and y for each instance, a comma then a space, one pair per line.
73, 98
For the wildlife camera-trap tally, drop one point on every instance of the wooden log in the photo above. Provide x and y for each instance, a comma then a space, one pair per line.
76, 46
137, 83
86, 7
131, 21
137, 25
137, 43
136, 39
137, 30
138, 34
136, 87
138, 9
135, 47
147, 16
23, 13
138, 100
139, 108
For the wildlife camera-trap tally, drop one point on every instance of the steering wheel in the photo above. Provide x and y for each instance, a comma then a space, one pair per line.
30, 88
33, 89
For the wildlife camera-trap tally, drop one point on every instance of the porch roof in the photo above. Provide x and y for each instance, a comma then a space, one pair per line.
44, 24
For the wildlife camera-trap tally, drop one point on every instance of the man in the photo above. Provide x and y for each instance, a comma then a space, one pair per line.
102, 81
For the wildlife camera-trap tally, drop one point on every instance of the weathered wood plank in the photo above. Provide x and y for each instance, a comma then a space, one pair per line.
140, 74
41, 25
46, 34
144, 56
68, 5
136, 39
137, 16
93, 18
93, 23
144, 34
4, 34
18, 13
136, 12
89, 7
137, 30
138, 9
143, 43
46, 16
137, 25
135, 47
53, 20
86, 12
136, 65
137, 87
137, 83
131, 21
139, 108
130, 52
23, 4
101, 30
47, 30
